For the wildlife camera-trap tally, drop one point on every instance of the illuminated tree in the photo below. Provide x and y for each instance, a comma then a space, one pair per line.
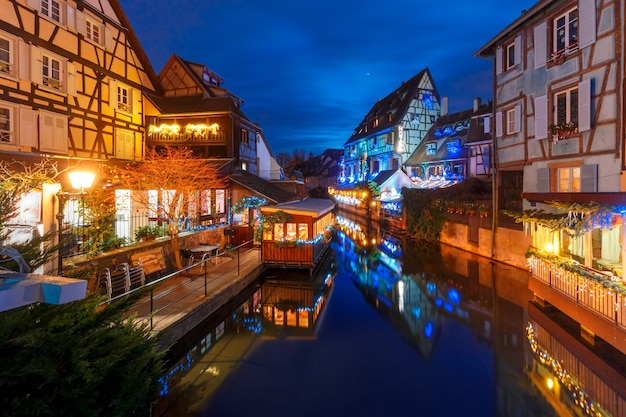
178, 177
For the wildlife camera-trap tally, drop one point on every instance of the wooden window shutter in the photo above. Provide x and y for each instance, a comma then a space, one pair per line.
589, 178
587, 22
518, 50
108, 39
584, 105
60, 134
71, 18
28, 127
499, 124
541, 117
34, 4
24, 60
71, 79
540, 45
80, 23
35, 65
113, 93
543, 180
499, 60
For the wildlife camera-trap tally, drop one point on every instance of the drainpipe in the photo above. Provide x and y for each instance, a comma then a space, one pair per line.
493, 161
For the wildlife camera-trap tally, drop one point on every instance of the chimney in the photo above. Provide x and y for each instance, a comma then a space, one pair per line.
476, 104
444, 106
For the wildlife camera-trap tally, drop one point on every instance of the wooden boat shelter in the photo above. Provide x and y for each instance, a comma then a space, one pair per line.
296, 234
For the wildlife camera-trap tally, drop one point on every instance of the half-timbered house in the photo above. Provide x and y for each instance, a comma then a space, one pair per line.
196, 112
391, 130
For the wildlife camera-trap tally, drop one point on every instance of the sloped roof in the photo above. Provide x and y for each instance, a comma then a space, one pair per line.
392, 179
315, 207
451, 133
267, 189
397, 104
320, 165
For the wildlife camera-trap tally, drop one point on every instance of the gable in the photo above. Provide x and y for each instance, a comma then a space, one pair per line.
176, 80
104, 7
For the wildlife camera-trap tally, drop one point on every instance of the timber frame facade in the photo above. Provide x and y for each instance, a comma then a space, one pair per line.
72, 80
196, 112
391, 130
559, 115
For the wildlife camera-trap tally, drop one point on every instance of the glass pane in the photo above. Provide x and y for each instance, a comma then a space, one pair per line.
564, 180
291, 231
573, 28
560, 33
573, 106
575, 180
4, 50
561, 108
278, 231
303, 231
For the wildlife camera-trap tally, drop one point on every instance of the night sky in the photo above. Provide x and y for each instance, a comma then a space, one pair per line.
309, 72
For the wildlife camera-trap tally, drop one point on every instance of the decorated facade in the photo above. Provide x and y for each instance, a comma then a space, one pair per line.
391, 130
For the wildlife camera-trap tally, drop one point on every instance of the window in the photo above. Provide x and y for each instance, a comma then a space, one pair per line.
375, 122
568, 180
6, 124
51, 9
566, 31
510, 121
303, 231
566, 106
93, 31
6, 56
51, 72
431, 148
205, 202
123, 98
220, 201
510, 56
291, 231
244, 136
279, 231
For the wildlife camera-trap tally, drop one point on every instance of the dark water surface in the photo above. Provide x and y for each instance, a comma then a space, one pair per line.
397, 329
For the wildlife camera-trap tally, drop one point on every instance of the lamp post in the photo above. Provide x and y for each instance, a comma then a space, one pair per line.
80, 180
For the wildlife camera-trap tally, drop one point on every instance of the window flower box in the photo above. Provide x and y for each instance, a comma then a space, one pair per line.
563, 131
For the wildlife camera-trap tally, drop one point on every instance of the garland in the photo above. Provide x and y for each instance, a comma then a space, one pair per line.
580, 218
575, 267
248, 202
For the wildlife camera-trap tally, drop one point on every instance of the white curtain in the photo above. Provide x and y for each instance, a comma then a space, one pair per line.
611, 244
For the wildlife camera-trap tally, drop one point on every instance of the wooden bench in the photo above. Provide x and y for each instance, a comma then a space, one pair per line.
152, 261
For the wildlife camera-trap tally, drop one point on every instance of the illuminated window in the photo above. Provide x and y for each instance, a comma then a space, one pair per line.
303, 231
267, 235
431, 148
303, 319
291, 231
375, 122
568, 180
205, 202
292, 318
566, 106
220, 201
279, 231
566, 31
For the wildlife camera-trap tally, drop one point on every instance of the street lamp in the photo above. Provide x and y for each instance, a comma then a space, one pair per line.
80, 180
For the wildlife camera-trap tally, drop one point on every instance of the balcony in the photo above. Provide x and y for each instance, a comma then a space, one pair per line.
594, 299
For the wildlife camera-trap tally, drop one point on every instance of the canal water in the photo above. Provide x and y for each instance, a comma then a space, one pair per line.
390, 327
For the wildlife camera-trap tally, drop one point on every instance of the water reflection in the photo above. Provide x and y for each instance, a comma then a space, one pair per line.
471, 328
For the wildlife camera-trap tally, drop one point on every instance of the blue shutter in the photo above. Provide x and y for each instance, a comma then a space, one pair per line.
589, 178
543, 180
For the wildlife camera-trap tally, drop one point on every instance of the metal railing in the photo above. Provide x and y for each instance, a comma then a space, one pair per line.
187, 292
582, 290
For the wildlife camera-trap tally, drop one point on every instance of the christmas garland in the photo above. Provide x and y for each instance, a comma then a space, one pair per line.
248, 202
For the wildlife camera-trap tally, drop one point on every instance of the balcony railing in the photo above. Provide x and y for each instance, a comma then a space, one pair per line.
583, 290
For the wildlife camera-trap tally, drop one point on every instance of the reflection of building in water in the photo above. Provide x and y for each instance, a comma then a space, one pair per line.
292, 307
571, 378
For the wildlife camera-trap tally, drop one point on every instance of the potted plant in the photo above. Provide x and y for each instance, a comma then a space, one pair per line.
148, 232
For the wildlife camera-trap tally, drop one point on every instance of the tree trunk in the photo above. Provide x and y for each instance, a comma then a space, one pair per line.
176, 247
